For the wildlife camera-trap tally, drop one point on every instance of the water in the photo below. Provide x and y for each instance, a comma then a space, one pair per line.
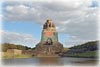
50, 61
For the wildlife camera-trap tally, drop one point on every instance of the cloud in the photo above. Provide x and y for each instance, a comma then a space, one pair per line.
75, 41
36, 11
77, 18
17, 38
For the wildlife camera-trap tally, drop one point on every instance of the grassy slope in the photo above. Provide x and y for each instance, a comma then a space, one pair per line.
88, 50
88, 54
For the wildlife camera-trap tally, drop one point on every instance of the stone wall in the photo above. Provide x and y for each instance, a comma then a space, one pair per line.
14, 51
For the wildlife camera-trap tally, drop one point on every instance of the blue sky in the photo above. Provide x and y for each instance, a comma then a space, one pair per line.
22, 21
26, 27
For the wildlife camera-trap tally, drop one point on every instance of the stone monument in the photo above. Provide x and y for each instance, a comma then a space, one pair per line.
49, 45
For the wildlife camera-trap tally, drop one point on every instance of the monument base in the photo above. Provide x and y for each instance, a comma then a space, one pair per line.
44, 49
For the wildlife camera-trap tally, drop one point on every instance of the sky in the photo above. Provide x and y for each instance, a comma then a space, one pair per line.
76, 20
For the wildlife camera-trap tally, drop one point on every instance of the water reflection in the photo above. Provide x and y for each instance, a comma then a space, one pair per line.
50, 61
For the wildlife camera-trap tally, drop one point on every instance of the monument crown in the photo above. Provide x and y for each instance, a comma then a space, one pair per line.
49, 25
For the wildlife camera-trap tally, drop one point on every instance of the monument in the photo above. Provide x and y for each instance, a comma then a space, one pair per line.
49, 45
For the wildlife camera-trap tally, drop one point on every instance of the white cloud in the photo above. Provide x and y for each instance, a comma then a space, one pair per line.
75, 41
74, 17
9, 8
17, 38
43, 10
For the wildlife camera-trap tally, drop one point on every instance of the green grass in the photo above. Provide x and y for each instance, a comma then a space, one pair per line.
88, 54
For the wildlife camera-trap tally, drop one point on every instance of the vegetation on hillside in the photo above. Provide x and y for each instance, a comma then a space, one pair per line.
88, 50
6, 46
89, 46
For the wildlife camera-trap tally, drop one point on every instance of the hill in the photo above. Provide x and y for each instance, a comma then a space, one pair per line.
86, 50
16, 51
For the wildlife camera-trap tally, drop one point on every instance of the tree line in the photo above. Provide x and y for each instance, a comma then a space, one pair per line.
87, 50
6, 46
93, 45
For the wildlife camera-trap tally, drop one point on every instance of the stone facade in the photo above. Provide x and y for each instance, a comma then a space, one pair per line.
30, 52
49, 45
14, 51
19, 52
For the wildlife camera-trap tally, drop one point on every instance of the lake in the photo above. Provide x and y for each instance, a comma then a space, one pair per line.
49, 61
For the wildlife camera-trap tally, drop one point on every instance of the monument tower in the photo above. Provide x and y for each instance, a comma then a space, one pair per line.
49, 31
49, 45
